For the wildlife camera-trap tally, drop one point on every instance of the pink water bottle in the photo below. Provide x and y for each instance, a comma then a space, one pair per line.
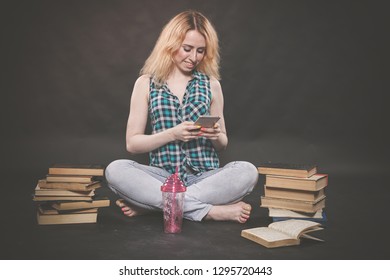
173, 192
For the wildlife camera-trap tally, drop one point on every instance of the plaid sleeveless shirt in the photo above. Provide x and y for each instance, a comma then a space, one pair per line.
166, 111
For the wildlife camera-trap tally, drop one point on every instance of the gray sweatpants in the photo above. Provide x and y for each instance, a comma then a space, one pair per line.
141, 186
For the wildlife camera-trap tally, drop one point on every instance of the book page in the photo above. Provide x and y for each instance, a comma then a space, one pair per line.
268, 234
293, 228
312, 237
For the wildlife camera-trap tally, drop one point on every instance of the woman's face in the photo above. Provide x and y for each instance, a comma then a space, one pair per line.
191, 52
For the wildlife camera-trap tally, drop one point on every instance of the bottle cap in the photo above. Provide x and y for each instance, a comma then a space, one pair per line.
173, 184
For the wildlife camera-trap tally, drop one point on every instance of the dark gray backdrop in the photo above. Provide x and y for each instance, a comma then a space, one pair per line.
304, 81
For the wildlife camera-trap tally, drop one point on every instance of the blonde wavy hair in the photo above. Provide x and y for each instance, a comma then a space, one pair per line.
159, 64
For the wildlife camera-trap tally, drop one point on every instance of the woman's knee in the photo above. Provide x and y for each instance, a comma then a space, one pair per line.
115, 168
249, 172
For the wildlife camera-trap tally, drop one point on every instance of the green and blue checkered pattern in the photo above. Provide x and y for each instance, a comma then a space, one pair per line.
166, 112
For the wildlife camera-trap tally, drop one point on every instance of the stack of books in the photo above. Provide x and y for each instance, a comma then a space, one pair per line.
293, 191
67, 194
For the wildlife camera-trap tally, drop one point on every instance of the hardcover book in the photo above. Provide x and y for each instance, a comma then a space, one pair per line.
313, 183
79, 218
61, 192
70, 178
277, 212
322, 220
61, 198
43, 184
77, 169
293, 194
47, 209
286, 169
295, 205
96, 203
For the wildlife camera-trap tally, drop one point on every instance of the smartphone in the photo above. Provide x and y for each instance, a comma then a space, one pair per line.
207, 121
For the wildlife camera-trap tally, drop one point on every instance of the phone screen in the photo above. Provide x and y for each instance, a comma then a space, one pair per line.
207, 121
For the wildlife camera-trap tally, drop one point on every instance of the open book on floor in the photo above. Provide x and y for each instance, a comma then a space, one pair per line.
284, 233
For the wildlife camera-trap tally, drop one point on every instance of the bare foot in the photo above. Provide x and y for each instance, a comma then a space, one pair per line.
238, 212
129, 210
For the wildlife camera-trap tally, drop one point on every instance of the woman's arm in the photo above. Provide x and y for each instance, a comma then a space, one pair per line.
136, 139
217, 135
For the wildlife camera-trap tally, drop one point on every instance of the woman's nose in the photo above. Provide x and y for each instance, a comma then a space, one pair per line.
193, 55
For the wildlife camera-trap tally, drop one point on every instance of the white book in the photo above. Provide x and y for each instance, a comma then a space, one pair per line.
277, 212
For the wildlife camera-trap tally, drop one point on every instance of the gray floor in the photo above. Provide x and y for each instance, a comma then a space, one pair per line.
357, 229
